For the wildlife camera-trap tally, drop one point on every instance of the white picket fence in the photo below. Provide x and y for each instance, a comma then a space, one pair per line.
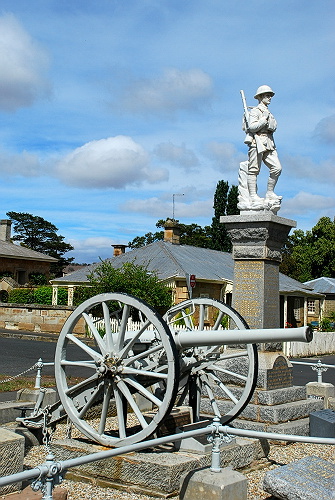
133, 326
323, 343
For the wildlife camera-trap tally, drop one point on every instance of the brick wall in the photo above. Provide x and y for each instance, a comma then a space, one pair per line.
34, 318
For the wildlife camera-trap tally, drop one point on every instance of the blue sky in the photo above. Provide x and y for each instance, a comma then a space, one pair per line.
108, 108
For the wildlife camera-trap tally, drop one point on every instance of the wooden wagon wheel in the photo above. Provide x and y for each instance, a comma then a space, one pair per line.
130, 377
216, 380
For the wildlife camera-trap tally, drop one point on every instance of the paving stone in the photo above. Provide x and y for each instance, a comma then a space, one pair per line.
307, 479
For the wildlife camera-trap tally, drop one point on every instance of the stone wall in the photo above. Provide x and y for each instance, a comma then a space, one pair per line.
36, 318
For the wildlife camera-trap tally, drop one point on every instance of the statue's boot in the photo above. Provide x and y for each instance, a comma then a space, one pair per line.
252, 188
270, 194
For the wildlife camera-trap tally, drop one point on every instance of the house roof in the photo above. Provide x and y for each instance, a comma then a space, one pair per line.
167, 260
9, 250
322, 285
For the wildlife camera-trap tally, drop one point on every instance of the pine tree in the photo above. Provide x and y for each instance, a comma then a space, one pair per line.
225, 203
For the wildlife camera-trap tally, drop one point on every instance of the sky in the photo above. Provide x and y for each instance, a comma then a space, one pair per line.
110, 110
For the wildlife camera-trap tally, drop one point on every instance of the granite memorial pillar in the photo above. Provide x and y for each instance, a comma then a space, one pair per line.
257, 241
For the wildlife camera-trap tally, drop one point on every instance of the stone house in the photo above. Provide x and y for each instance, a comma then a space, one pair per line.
213, 271
321, 309
19, 261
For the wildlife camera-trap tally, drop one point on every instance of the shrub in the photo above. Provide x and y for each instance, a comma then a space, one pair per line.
38, 279
21, 296
43, 296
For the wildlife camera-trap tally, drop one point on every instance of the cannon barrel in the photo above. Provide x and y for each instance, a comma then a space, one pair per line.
197, 338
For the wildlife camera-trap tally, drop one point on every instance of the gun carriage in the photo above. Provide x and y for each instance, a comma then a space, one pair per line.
131, 379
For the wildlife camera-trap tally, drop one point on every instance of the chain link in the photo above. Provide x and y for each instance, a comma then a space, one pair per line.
47, 436
19, 374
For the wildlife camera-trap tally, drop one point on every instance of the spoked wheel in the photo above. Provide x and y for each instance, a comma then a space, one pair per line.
127, 365
216, 380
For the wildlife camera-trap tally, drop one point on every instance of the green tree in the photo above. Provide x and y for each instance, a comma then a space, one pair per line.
38, 234
129, 278
225, 203
310, 255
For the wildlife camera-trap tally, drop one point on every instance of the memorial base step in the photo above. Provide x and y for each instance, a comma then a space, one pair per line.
154, 471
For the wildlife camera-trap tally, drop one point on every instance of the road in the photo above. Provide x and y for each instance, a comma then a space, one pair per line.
19, 354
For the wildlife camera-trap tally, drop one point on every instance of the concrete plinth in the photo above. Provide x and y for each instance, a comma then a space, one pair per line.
321, 390
11, 457
203, 484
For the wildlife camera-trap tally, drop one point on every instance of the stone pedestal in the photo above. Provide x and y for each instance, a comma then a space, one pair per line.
257, 240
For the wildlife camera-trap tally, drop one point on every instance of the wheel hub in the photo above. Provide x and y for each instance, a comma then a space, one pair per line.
110, 364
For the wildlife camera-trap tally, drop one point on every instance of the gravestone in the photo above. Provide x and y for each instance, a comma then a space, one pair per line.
307, 479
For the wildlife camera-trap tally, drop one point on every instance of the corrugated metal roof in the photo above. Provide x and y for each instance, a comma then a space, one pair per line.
11, 251
323, 285
167, 260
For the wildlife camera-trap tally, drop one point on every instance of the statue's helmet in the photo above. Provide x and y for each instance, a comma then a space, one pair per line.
263, 89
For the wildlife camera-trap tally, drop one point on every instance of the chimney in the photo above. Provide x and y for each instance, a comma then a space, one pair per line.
5, 230
119, 249
172, 232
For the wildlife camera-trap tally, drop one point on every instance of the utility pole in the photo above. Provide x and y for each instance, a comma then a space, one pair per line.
173, 197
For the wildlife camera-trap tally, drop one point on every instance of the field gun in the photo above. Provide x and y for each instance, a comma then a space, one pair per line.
132, 376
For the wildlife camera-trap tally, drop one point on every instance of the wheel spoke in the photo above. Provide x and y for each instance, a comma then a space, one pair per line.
144, 354
100, 342
211, 396
125, 391
81, 385
87, 364
123, 327
147, 394
218, 320
223, 387
108, 330
91, 352
133, 371
120, 412
201, 316
228, 372
89, 402
105, 406
136, 336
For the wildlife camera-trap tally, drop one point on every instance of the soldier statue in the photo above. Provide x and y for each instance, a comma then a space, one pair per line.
259, 125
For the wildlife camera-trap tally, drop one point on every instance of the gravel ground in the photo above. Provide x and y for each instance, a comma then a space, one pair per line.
279, 455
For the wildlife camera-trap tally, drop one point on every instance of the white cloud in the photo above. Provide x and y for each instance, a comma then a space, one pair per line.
224, 155
174, 90
25, 164
325, 129
163, 209
304, 167
22, 66
304, 203
176, 155
114, 162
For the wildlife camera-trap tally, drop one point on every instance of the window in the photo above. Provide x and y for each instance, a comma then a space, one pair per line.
310, 306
